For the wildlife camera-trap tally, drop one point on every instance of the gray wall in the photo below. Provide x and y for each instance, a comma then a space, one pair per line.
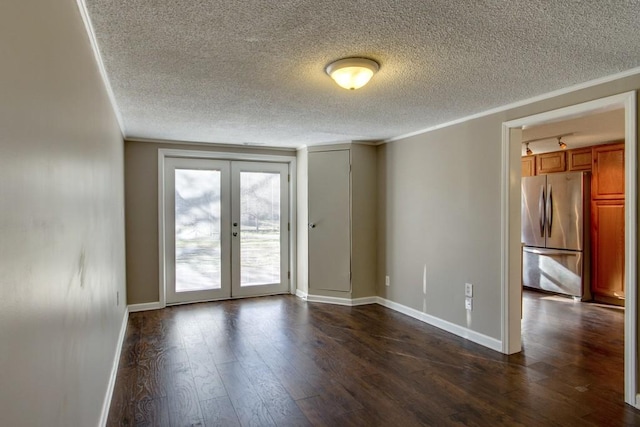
363, 220
61, 221
141, 201
439, 214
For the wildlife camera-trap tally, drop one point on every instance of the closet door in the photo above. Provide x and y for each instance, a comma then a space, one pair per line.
329, 221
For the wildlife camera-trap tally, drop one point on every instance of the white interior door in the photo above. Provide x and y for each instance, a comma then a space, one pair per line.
226, 229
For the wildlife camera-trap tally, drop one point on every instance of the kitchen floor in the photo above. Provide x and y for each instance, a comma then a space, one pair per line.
283, 361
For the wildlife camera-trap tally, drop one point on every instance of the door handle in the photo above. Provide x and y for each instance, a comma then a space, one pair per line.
312, 225
549, 211
235, 233
541, 210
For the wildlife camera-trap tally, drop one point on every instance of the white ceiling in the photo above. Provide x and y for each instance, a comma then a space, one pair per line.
253, 71
593, 129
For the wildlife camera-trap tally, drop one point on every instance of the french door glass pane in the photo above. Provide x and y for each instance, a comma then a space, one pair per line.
197, 232
259, 228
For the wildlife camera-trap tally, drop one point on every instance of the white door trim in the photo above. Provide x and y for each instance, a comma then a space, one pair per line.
163, 153
510, 225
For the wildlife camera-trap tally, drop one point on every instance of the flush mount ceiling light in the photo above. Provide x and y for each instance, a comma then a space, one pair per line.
352, 73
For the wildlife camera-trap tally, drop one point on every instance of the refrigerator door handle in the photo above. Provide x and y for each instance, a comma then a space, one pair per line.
541, 210
549, 214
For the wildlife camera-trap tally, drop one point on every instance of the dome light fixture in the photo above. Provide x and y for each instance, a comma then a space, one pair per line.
352, 73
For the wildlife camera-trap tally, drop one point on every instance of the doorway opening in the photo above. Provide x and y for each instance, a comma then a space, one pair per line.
225, 227
511, 225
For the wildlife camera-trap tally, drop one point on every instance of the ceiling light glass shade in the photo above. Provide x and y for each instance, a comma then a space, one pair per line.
352, 73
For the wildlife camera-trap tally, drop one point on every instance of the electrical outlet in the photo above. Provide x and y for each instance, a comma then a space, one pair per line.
468, 290
387, 281
468, 303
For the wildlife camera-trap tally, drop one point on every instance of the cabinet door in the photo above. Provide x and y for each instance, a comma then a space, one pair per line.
551, 162
329, 221
579, 159
608, 248
608, 172
528, 166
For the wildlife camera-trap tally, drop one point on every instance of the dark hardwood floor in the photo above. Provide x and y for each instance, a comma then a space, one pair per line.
282, 361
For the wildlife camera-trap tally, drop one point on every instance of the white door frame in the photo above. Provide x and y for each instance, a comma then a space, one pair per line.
510, 224
163, 153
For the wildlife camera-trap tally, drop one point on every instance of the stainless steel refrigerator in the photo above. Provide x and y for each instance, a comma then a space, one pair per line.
555, 233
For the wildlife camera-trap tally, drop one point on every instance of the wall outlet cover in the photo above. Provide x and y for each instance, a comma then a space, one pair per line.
468, 290
387, 281
468, 304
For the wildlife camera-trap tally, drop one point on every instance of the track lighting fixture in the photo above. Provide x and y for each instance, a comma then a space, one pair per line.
561, 143
529, 152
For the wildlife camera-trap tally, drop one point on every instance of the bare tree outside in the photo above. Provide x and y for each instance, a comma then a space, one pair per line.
260, 228
197, 230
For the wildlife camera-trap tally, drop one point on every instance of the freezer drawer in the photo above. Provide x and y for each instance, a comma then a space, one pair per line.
555, 270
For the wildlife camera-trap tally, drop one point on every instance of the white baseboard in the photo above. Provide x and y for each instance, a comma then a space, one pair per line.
145, 306
340, 301
114, 370
461, 331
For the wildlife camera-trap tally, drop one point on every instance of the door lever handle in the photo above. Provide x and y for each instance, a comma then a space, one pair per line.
235, 233
312, 225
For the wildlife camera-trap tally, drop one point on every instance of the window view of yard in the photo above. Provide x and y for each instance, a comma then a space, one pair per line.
259, 228
197, 210
198, 226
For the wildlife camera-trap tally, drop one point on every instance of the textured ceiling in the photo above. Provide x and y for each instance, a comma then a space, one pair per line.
253, 71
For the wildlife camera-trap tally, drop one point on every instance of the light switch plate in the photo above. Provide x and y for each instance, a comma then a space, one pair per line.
468, 304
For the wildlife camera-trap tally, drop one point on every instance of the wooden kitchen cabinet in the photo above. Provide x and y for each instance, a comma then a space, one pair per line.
607, 242
529, 166
579, 159
551, 162
608, 172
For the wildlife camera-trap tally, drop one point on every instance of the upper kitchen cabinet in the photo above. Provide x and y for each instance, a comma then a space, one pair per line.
608, 172
528, 166
342, 202
551, 162
579, 159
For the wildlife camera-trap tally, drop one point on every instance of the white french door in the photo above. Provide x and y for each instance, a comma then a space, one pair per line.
226, 229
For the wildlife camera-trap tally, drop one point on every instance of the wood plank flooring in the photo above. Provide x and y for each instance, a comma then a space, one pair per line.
280, 361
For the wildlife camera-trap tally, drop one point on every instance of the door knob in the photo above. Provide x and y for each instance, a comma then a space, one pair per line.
235, 224
312, 225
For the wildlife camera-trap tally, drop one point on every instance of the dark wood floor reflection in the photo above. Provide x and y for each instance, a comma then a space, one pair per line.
282, 361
